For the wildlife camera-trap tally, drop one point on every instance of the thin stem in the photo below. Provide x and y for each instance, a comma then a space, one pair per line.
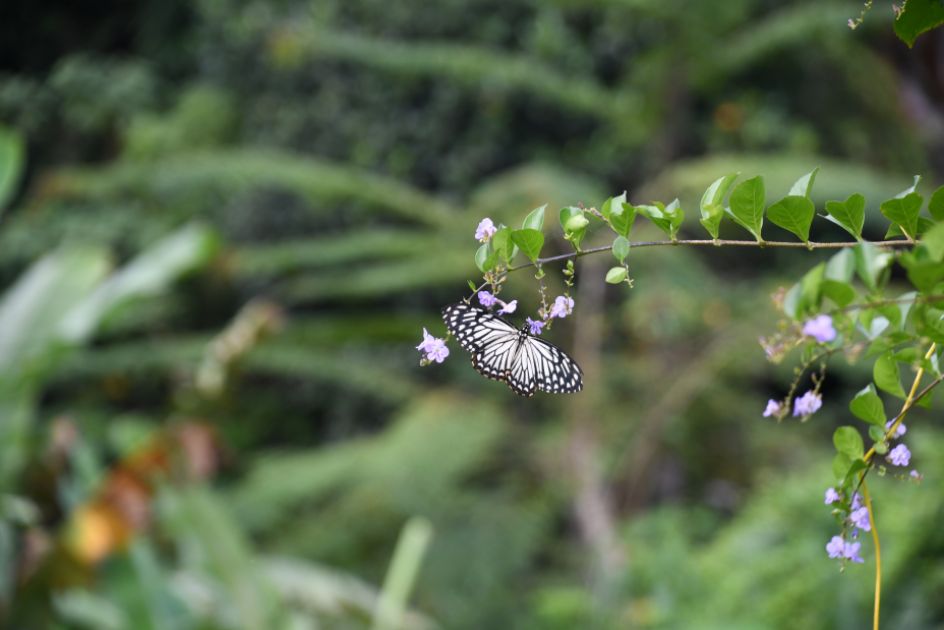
909, 402
718, 243
878, 555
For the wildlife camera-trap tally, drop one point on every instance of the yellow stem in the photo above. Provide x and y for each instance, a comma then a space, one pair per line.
878, 555
865, 488
908, 402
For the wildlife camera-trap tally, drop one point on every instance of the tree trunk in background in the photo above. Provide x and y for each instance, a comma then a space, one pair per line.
592, 501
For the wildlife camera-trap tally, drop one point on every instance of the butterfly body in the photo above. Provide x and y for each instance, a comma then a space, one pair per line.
502, 352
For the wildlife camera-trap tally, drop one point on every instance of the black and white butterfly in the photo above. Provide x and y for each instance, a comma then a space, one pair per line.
513, 355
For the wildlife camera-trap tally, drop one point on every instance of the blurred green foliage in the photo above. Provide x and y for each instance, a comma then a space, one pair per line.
282, 194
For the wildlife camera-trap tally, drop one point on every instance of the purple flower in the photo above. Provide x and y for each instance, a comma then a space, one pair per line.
860, 518
820, 328
485, 230
507, 307
562, 306
773, 408
835, 547
899, 456
435, 349
534, 326
486, 299
831, 496
438, 353
900, 431
850, 551
914, 474
806, 404
856, 502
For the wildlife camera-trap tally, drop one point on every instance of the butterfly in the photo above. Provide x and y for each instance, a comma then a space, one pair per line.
504, 353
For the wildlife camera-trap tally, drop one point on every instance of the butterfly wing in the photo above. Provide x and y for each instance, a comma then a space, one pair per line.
542, 365
475, 328
502, 353
492, 341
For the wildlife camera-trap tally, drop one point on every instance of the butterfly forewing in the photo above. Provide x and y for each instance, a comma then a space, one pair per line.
475, 329
502, 352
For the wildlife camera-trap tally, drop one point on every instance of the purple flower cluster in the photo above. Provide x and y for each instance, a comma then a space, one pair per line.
807, 404
534, 326
773, 408
860, 518
820, 328
433, 348
485, 230
507, 307
488, 300
831, 496
837, 547
900, 431
899, 456
562, 307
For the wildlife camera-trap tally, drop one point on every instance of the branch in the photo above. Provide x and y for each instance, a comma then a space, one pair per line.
718, 243
911, 300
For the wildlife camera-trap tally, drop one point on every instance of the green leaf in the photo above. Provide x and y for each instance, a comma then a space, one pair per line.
877, 432
886, 375
622, 219
910, 189
535, 219
904, 211
33, 309
870, 263
147, 274
666, 218
848, 442
794, 214
805, 296
11, 164
620, 248
712, 203
804, 186
936, 204
841, 293
575, 223
841, 266
613, 203
917, 17
472, 286
848, 214
841, 465
868, 406
933, 242
486, 257
923, 271
747, 205
503, 245
530, 241
811, 288
924, 224
616, 275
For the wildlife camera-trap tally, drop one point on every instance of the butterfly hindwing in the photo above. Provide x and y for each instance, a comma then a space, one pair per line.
556, 372
502, 352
